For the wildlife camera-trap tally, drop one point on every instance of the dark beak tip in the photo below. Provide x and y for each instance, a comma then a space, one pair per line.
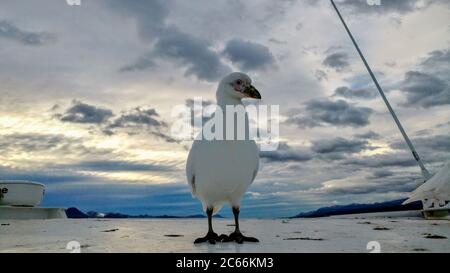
255, 93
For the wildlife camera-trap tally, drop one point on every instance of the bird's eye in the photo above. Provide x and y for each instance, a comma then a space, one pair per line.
238, 82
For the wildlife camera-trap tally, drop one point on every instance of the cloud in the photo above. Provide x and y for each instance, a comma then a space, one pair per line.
400, 183
33, 156
403, 159
437, 60
11, 32
339, 147
38, 143
81, 112
320, 75
425, 90
116, 166
192, 52
31, 142
143, 63
368, 135
65, 188
327, 112
43, 175
386, 7
436, 143
249, 55
140, 119
381, 174
429, 84
338, 61
286, 153
202, 115
170, 43
150, 15
134, 121
278, 42
136, 117
350, 93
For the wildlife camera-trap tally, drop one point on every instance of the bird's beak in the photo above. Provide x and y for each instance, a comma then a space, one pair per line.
252, 92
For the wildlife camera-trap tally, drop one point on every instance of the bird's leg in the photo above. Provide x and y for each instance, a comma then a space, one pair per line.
237, 235
211, 236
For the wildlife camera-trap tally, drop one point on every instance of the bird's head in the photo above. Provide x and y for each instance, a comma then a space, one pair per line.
237, 85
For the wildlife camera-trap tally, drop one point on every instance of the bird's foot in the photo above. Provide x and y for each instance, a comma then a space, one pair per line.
239, 238
211, 237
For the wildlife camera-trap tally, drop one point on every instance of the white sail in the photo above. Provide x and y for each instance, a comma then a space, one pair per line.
435, 192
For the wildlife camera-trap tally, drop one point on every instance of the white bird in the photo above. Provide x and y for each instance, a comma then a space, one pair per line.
435, 191
220, 171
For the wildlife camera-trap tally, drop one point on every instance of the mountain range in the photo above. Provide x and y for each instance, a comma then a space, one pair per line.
388, 206
394, 205
78, 214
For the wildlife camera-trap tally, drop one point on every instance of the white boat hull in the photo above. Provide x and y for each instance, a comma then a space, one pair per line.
21, 193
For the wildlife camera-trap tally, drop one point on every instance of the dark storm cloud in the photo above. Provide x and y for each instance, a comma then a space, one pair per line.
381, 174
192, 52
437, 60
338, 61
248, 55
437, 143
327, 112
383, 161
400, 184
171, 43
134, 121
368, 135
11, 32
137, 116
138, 120
286, 153
350, 93
339, 145
429, 85
81, 112
425, 90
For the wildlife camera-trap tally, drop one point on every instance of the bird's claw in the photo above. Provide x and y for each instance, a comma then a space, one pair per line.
211, 237
239, 238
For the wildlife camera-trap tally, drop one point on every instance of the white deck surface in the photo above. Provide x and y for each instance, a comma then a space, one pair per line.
306, 235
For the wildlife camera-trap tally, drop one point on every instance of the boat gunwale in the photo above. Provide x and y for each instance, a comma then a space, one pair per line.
21, 182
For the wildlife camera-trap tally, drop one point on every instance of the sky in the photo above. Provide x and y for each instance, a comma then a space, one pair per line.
87, 92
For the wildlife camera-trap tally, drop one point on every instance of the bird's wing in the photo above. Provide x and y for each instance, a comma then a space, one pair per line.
190, 171
255, 171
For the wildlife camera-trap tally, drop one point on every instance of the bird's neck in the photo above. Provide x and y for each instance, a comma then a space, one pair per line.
224, 100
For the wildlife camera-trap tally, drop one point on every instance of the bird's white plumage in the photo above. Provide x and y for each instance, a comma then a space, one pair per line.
436, 189
220, 171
